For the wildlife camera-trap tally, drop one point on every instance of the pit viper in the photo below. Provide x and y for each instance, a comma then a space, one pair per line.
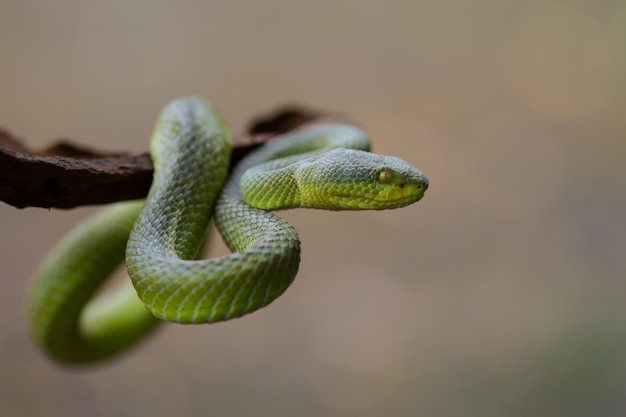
325, 166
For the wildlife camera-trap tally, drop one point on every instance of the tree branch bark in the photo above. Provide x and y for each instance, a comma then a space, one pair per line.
67, 176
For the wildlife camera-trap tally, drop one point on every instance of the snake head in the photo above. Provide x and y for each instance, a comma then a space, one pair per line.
347, 179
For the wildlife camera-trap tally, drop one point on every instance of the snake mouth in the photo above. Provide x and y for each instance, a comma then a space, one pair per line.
401, 194
388, 197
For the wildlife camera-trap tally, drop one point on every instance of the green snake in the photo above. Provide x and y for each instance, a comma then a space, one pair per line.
325, 166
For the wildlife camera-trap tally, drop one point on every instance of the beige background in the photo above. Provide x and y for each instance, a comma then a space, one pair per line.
501, 293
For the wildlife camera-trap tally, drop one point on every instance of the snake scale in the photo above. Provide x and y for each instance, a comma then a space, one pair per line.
325, 166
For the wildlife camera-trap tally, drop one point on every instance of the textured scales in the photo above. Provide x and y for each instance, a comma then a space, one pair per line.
191, 149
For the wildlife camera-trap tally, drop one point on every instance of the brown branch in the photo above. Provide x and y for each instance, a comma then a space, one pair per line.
68, 176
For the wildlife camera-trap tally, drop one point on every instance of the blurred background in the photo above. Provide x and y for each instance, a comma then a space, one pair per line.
502, 292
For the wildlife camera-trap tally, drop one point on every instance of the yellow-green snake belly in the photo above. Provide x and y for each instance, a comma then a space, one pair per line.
326, 166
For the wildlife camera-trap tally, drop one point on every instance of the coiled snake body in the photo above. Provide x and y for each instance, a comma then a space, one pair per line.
160, 238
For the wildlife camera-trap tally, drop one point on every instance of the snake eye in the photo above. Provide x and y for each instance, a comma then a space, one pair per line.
385, 176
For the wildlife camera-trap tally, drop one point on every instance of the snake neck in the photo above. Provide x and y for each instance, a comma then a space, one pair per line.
269, 178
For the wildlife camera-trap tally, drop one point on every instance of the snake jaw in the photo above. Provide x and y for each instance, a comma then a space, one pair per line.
400, 195
366, 197
399, 188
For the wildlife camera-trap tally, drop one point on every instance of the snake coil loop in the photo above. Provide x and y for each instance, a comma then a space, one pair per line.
160, 239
